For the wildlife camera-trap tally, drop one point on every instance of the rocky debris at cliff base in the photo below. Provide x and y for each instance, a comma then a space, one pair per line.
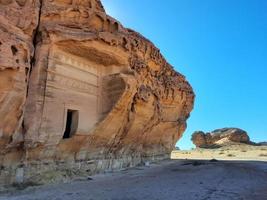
170, 180
220, 137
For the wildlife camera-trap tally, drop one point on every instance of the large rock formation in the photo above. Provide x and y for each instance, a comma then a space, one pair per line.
220, 137
80, 91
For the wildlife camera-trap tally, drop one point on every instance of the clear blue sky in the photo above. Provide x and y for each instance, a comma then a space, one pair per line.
220, 46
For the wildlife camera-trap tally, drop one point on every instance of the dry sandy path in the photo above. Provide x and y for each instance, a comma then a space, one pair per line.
172, 180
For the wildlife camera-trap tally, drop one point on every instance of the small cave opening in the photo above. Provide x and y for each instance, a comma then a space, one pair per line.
14, 50
71, 123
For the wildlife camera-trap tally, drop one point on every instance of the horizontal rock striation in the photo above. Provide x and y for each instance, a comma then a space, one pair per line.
79, 91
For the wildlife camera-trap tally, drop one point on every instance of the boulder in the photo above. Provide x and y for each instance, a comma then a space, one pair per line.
220, 137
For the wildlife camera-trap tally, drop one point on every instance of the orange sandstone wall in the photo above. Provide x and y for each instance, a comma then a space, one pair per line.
69, 54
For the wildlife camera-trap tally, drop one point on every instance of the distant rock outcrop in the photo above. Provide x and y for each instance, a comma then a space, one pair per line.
262, 143
220, 137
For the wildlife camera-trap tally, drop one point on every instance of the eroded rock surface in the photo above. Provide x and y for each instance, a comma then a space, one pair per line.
220, 137
80, 91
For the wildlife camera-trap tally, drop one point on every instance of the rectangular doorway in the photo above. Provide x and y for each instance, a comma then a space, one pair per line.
71, 123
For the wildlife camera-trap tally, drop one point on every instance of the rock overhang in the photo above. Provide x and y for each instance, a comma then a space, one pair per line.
132, 104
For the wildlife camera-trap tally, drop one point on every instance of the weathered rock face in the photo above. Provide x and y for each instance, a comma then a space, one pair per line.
220, 137
78, 87
18, 20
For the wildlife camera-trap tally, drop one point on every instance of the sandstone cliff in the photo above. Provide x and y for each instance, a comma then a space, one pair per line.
220, 137
78, 90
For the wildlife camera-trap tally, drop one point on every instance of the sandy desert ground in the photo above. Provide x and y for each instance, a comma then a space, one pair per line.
229, 152
170, 180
